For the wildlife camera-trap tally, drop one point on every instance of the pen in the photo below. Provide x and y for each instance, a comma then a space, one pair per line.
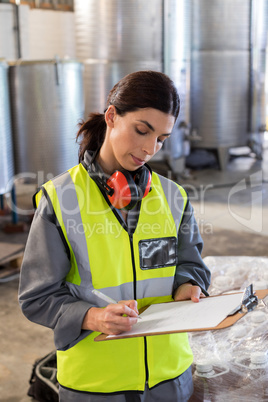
105, 298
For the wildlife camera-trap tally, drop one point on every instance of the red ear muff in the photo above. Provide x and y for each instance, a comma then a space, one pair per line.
125, 194
123, 188
143, 179
126, 190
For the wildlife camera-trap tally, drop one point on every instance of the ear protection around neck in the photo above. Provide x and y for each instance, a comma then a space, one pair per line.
123, 188
128, 189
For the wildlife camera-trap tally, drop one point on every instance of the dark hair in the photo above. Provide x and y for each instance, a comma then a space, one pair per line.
143, 89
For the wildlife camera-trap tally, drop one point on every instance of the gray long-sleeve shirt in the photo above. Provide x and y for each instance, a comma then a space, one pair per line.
45, 297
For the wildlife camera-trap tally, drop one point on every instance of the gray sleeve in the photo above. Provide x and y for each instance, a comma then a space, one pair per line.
43, 296
190, 267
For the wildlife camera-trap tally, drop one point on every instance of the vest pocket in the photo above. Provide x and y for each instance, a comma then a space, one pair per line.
158, 253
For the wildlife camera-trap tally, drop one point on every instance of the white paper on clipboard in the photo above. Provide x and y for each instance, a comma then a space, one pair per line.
185, 315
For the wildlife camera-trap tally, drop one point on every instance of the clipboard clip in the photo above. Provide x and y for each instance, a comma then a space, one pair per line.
248, 303
249, 300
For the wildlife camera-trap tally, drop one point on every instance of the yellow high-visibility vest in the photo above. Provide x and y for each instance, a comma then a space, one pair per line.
124, 266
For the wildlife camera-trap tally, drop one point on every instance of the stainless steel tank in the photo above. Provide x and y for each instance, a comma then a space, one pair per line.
220, 71
220, 25
115, 38
177, 53
220, 94
6, 147
118, 37
100, 76
258, 101
47, 103
119, 30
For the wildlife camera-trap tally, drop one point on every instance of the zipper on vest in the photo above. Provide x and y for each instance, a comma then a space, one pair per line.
133, 267
135, 298
145, 360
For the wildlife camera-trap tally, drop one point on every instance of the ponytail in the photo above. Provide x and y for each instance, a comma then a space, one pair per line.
91, 134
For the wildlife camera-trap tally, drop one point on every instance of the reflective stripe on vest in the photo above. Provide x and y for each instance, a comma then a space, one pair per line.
144, 270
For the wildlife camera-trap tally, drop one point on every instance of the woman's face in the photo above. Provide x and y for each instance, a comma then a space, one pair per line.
133, 139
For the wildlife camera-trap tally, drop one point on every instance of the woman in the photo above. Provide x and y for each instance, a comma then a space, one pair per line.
111, 224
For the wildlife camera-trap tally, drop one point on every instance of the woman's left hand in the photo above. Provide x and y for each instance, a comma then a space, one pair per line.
187, 291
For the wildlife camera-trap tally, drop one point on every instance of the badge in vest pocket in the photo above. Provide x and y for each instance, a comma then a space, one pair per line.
158, 253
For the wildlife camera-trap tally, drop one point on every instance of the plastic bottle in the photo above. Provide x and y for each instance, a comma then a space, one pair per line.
259, 331
265, 276
207, 380
229, 338
256, 317
260, 284
255, 381
238, 273
222, 283
215, 382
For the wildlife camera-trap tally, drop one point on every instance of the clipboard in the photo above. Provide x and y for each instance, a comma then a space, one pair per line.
228, 321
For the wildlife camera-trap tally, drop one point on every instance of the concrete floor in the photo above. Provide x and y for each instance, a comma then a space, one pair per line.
235, 199
228, 206
22, 342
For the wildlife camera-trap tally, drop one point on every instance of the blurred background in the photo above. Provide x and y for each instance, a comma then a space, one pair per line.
58, 61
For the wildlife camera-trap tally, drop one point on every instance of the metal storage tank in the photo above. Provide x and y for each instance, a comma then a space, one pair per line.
119, 30
220, 71
258, 44
100, 76
115, 38
220, 97
177, 53
47, 104
6, 148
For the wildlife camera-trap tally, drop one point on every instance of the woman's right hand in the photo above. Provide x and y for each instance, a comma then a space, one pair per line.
111, 320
